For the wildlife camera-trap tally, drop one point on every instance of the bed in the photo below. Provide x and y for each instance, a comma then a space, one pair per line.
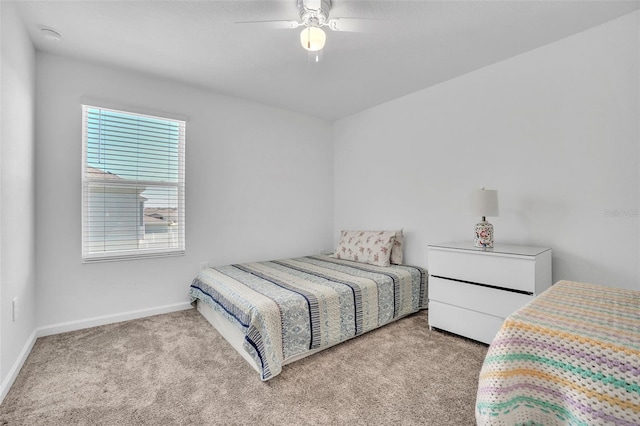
279, 311
570, 356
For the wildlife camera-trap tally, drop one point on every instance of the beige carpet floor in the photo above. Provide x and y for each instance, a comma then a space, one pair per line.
175, 369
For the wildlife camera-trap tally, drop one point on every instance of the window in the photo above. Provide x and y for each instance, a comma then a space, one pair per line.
132, 185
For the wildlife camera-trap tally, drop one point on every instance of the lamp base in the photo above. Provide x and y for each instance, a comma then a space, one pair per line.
484, 235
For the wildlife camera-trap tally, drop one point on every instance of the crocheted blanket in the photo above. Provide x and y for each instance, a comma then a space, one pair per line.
570, 356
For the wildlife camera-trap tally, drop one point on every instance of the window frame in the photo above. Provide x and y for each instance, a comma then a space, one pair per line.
88, 182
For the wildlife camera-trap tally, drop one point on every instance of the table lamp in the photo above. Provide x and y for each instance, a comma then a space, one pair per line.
484, 203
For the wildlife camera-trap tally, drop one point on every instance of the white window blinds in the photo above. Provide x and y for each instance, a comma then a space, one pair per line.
132, 185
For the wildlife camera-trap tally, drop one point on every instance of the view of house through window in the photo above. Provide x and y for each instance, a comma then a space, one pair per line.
133, 185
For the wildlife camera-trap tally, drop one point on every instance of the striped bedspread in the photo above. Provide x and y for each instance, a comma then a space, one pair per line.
570, 356
291, 306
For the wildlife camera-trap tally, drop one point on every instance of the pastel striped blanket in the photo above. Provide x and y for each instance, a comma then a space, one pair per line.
570, 356
291, 306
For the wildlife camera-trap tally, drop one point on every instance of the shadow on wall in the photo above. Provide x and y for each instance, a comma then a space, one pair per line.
569, 266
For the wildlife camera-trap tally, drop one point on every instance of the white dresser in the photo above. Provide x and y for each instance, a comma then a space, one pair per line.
472, 290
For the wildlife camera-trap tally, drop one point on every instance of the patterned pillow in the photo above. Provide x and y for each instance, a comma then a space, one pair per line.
397, 249
373, 247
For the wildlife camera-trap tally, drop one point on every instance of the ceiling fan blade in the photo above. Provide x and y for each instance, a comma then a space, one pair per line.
278, 25
356, 25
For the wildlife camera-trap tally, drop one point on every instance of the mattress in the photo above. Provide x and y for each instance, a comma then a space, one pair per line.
570, 356
286, 308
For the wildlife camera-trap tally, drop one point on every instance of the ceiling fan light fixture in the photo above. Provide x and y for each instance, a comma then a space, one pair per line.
313, 38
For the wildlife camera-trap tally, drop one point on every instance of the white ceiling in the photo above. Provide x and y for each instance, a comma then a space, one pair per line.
420, 43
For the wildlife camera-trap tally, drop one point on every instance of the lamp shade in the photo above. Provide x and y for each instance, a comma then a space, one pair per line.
484, 202
312, 38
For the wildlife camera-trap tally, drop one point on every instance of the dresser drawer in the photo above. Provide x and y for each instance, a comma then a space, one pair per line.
512, 272
498, 303
471, 324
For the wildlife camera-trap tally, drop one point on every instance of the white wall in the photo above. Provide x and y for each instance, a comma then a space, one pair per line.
17, 202
554, 130
259, 187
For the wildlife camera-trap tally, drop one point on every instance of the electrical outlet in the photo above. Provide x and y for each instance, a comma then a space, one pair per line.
14, 309
204, 265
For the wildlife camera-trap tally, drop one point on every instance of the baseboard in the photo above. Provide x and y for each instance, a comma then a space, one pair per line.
110, 319
17, 366
79, 325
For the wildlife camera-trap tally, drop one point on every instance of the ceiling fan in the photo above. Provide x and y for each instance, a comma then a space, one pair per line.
314, 14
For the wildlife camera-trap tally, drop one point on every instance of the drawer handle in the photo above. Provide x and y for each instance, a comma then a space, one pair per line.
528, 293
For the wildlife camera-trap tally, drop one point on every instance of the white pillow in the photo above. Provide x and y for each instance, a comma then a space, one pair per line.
373, 247
397, 249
